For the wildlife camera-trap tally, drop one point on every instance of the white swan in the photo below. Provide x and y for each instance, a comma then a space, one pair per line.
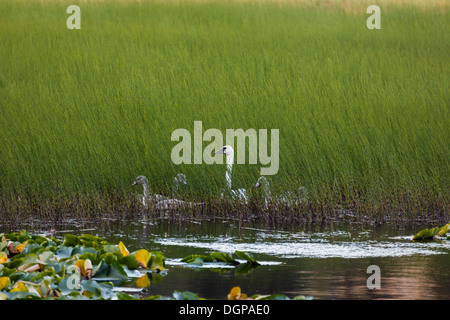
163, 202
240, 194
293, 198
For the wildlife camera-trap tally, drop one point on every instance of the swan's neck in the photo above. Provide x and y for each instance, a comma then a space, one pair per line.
266, 190
228, 175
230, 160
175, 186
146, 189
267, 194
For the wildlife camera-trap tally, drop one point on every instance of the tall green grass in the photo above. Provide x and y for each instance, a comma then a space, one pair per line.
362, 114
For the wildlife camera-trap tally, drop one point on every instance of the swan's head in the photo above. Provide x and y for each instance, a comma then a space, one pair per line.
262, 181
180, 178
140, 180
226, 150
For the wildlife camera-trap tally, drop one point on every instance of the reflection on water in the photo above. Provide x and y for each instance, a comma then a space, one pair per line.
327, 261
309, 249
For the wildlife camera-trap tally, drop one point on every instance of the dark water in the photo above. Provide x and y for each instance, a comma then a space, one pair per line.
326, 261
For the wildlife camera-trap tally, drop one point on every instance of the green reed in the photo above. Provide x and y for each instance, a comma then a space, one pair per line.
363, 114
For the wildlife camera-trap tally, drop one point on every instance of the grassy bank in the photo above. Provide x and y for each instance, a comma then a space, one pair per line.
363, 114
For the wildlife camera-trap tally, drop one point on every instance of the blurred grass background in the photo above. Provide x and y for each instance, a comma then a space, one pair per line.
361, 113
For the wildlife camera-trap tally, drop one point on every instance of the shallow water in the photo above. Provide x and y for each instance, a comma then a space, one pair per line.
327, 261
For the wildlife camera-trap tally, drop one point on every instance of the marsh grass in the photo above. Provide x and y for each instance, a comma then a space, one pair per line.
363, 115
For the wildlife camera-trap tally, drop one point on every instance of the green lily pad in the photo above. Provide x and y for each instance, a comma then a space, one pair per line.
191, 258
70, 240
430, 234
247, 256
130, 261
111, 271
224, 257
186, 295
157, 261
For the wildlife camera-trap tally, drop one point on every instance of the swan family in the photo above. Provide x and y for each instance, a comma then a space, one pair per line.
164, 202
160, 201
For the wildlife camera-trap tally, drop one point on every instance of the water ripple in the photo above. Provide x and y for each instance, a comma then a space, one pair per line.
320, 249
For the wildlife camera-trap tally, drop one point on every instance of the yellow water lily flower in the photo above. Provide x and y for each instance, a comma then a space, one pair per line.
235, 294
122, 249
143, 257
3, 257
4, 282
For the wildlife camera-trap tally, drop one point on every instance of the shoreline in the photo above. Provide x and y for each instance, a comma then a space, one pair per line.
20, 211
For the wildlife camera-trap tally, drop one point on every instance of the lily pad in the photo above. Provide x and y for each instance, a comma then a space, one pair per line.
247, 256
430, 234
224, 257
157, 261
186, 295
197, 257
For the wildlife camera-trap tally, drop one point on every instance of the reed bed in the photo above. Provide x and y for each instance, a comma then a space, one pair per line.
363, 114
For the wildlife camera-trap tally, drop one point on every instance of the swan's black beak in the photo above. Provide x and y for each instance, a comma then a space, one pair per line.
134, 183
257, 185
221, 150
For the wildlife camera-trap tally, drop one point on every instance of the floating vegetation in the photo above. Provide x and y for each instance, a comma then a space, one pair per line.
236, 294
220, 260
88, 267
431, 234
220, 257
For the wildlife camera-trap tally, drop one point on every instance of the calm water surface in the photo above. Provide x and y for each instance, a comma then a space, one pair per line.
326, 261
